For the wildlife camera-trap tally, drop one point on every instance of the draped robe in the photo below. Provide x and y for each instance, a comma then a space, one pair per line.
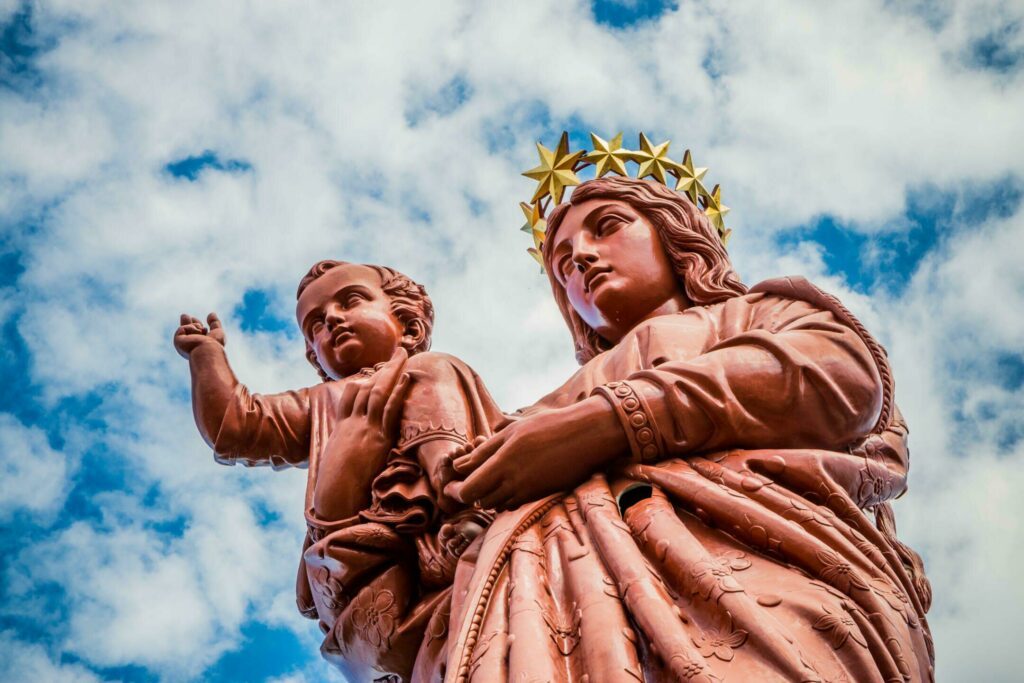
744, 550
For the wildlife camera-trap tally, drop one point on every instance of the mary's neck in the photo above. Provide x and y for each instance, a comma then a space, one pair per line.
676, 304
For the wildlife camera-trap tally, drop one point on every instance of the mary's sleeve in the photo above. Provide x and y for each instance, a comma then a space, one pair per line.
781, 372
265, 429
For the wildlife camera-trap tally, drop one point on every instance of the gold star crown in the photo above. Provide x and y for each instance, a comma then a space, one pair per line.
558, 167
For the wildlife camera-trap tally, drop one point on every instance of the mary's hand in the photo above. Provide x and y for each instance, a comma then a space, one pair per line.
543, 453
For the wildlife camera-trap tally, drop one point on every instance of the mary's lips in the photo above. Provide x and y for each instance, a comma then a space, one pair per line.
591, 275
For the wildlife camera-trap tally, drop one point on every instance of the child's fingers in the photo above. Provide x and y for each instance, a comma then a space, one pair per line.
384, 383
213, 321
445, 471
393, 408
348, 397
185, 319
362, 400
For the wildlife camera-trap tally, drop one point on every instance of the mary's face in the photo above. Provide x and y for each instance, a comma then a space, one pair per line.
614, 270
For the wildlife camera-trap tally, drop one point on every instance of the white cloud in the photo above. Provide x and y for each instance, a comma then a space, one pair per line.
33, 476
818, 109
21, 661
174, 605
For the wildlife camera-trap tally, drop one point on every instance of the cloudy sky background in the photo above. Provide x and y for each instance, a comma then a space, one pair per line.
193, 156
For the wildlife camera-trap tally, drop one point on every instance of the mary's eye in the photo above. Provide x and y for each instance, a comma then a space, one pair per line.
316, 326
565, 267
607, 224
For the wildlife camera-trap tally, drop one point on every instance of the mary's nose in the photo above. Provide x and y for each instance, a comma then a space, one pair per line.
584, 252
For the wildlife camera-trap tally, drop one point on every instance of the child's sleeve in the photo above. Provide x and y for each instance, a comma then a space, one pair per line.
446, 402
265, 429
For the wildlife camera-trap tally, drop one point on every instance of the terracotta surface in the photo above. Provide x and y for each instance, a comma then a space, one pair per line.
705, 499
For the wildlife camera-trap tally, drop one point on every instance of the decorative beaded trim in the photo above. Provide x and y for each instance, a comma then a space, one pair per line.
497, 566
645, 441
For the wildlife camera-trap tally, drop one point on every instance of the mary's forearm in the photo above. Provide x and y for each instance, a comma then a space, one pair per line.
800, 389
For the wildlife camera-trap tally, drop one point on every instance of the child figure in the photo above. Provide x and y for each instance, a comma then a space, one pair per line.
376, 435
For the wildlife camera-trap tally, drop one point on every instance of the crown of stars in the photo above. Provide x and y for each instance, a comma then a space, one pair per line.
558, 168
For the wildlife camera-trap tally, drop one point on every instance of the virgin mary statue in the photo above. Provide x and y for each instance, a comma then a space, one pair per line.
705, 499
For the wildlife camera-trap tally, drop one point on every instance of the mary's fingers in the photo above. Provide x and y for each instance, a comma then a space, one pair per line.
482, 482
185, 319
478, 456
453, 490
393, 408
465, 448
499, 499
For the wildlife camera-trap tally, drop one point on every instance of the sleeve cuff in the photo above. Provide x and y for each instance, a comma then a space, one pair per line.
645, 441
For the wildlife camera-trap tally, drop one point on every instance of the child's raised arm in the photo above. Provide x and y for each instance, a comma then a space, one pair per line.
239, 426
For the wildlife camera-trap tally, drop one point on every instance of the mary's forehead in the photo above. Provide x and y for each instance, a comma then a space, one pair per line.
581, 216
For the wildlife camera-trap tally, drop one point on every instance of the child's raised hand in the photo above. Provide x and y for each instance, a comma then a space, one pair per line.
191, 333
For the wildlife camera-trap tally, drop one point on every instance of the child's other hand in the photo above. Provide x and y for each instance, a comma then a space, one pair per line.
379, 399
191, 333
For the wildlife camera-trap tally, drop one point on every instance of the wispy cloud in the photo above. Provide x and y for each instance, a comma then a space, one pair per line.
165, 157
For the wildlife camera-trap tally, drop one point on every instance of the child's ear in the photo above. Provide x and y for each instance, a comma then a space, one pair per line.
415, 333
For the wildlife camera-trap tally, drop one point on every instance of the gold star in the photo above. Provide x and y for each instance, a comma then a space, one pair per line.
535, 253
716, 210
690, 178
535, 223
555, 172
608, 156
653, 160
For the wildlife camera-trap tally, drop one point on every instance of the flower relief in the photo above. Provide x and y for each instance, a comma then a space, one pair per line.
330, 589
839, 572
896, 599
840, 625
720, 643
716, 573
875, 484
376, 621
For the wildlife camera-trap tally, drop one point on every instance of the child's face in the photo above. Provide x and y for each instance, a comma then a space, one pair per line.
346, 318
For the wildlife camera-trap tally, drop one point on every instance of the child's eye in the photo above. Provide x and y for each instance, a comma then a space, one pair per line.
352, 299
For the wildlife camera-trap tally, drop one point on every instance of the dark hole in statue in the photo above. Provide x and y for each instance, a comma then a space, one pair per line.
633, 495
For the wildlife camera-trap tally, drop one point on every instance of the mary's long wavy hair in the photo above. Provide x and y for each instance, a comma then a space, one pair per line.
691, 243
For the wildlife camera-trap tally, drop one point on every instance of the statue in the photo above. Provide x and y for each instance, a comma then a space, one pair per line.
693, 504
374, 436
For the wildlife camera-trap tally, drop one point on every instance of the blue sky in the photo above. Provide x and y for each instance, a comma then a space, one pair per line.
165, 158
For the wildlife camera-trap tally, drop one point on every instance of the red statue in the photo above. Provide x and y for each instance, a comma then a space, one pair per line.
694, 504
